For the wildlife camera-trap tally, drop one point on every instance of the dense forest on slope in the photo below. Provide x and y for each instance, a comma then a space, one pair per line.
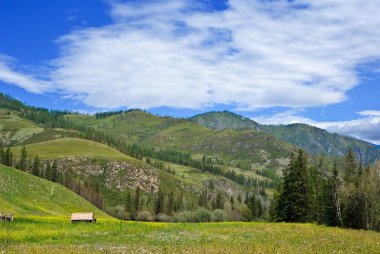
314, 140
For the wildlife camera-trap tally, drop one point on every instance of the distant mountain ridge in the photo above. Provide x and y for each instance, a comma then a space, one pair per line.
310, 138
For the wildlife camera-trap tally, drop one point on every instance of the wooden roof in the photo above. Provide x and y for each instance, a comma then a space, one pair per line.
82, 216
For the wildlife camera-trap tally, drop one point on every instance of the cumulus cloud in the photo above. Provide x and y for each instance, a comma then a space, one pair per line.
366, 127
9, 74
253, 54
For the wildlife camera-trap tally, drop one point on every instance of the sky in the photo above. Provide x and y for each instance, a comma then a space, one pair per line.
274, 61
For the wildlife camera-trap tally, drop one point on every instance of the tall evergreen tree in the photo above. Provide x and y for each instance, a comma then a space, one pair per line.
22, 165
128, 202
137, 199
48, 171
36, 166
54, 171
350, 166
8, 158
296, 198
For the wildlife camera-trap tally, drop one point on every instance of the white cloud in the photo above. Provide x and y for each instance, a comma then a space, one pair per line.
254, 54
9, 74
366, 127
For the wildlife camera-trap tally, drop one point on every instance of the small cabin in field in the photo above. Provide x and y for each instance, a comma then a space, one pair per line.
82, 217
6, 216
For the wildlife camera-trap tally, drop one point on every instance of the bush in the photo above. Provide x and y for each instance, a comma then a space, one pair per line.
185, 216
144, 216
219, 215
119, 212
163, 217
202, 215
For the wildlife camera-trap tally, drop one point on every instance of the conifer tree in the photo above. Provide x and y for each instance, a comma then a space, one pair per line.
170, 205
48, 171
296, 198
8, 158
54, 171
350, 166
36, 166
22, 165
128, 202
137, 199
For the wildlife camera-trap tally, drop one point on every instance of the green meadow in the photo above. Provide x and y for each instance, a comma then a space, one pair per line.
58, 235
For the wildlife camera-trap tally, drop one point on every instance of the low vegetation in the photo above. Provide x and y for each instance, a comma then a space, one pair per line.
59, 236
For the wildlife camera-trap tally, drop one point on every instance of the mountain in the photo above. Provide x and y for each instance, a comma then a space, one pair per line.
246, 148
312, 139
225, 120
25, 194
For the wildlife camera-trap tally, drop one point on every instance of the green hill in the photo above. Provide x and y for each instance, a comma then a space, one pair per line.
312, 139
242, 148
28, 195
225, 120
15, 129
66, 147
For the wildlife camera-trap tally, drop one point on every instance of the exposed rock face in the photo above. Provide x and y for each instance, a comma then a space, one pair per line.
117, 175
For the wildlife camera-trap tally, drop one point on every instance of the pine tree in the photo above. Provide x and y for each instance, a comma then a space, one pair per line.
137, 199
22, 165
2, 155
128, 202
170, 205
8, 158
36, 166
350, 166
159, 203
54, 171
296, 198
48, 171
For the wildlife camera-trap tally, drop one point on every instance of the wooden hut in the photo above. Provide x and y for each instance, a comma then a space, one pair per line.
6, 216
82, 217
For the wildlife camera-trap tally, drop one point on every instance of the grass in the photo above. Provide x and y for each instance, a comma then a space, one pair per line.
15, 129
111, 236
27, 195
65, 147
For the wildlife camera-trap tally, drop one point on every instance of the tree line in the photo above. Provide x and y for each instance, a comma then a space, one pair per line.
346, 197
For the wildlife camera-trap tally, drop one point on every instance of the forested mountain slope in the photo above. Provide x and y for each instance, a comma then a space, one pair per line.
312, 139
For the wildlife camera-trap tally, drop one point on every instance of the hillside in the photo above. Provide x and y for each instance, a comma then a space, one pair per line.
72, 147
239, 148
312, 139
105, 176
15, 129
28, 195
225, 120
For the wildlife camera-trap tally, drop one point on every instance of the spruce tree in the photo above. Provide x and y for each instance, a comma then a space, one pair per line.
8, 158
128, 202
54, 171
296, 198
137, 199
170, 205
36, 166
2, 155
22, 165
48, 171
350, 166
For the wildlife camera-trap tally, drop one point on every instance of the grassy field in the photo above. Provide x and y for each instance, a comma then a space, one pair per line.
64, 147
49, 235
15, 129
27, 195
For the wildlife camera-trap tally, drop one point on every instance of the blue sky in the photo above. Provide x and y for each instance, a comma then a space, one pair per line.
316, 62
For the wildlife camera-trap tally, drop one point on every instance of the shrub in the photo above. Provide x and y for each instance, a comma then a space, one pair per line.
144, 216
163, 217
219, 215
202, 215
